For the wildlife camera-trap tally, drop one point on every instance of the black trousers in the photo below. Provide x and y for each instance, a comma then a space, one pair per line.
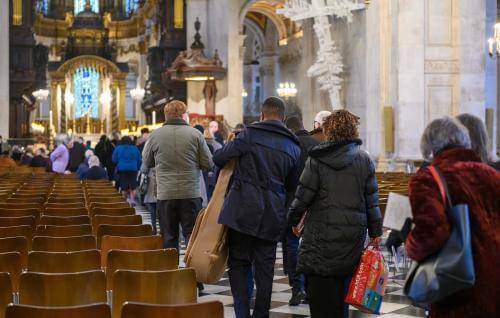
171, 213
326, 296
245, 251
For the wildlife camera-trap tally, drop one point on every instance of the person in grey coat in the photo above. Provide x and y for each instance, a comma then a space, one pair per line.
178, 152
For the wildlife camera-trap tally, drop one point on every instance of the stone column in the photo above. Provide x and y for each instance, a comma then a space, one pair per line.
64, 120
122, 86
4, 69
267, 68
114, 109
53, 103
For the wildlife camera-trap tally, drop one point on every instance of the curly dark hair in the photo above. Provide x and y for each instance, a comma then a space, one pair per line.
341, 126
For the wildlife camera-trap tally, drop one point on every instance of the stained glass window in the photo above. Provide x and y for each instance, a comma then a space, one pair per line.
131, 6
43, 6
86, 92
80, 5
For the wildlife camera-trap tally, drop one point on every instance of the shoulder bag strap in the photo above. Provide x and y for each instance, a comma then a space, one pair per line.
441, 182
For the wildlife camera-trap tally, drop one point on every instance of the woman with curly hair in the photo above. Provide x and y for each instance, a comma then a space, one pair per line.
339, 190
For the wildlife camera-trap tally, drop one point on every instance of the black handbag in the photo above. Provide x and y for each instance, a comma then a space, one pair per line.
452, 268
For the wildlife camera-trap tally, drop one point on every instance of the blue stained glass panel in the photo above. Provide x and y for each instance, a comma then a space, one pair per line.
80, 6
86, 92
131, 6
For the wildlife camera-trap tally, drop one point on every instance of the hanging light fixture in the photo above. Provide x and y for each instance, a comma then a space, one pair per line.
137, 93
287, 90
494, 42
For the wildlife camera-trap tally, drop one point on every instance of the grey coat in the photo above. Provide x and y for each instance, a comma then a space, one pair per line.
178, 152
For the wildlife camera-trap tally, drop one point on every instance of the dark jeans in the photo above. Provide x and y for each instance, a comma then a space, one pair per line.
152, 213
326, 296
245, 251
290, 256
171, 213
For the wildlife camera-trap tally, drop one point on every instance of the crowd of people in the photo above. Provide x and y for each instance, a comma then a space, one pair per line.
315, 192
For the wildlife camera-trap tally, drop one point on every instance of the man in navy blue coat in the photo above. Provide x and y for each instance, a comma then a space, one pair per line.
267, 166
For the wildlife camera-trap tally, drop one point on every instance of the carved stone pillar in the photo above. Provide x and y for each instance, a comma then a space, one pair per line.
4, 66
63, 108
122, 85
53, 103
114, 109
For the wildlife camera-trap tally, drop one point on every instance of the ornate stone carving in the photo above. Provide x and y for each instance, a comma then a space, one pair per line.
442, 66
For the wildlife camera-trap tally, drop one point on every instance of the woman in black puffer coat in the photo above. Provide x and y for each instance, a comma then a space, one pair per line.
339, 190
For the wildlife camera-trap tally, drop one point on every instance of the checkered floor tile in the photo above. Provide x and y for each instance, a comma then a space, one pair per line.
395, 304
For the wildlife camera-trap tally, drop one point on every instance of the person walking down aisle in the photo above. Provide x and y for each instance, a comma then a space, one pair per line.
290, 240
60, 156
267, 165
128, 161
180, 153
339, 190
446, 143
76, 154
104, 150
319, 119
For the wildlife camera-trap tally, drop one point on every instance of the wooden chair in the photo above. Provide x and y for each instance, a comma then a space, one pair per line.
10, 262
115, 220
123, 230
64, 220
112, 211
63, 244
152, 260
21, 230
62, 289
25, 200
16, 221
141, 243
64, 262
115, 205
65, 211
212, 309
86, 311
17, 244
64, 205
5, 292
63, 231
163, 287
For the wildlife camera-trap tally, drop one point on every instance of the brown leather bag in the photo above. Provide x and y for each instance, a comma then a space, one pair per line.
207, 250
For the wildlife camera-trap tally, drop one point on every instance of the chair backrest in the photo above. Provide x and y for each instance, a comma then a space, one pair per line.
141, 243
64, 244
5, 205
17, 220
16, 244
115, 220
66, 199
62, 289
64, 205
64, 262
152, 260
100, 310
160, 287
21, 230
111, 199
5, 292
25, 200
112, 211
123, 230
63, 231
65, 211
64, 220
211, 309
10, 262
11, 212
94, 205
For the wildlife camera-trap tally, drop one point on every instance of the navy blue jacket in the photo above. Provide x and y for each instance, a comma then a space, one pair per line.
267, 166
127, 158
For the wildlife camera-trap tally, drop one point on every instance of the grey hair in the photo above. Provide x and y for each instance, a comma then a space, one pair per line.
94, 161
61, 139
478, 135
442, 133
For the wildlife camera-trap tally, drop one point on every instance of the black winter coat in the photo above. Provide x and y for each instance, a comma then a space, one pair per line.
76, 156
339, 190
267, 156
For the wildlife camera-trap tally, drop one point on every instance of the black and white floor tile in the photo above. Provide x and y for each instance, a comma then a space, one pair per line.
395, 304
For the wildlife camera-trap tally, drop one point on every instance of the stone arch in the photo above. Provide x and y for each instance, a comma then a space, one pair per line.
103, 66
265, 8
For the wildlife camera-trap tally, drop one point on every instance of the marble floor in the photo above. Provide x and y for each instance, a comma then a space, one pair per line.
395, 304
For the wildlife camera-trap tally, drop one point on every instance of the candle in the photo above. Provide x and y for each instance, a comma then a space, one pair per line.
491, 42
50, 121
154, 117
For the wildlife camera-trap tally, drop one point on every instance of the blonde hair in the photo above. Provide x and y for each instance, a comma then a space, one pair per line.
175, 109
